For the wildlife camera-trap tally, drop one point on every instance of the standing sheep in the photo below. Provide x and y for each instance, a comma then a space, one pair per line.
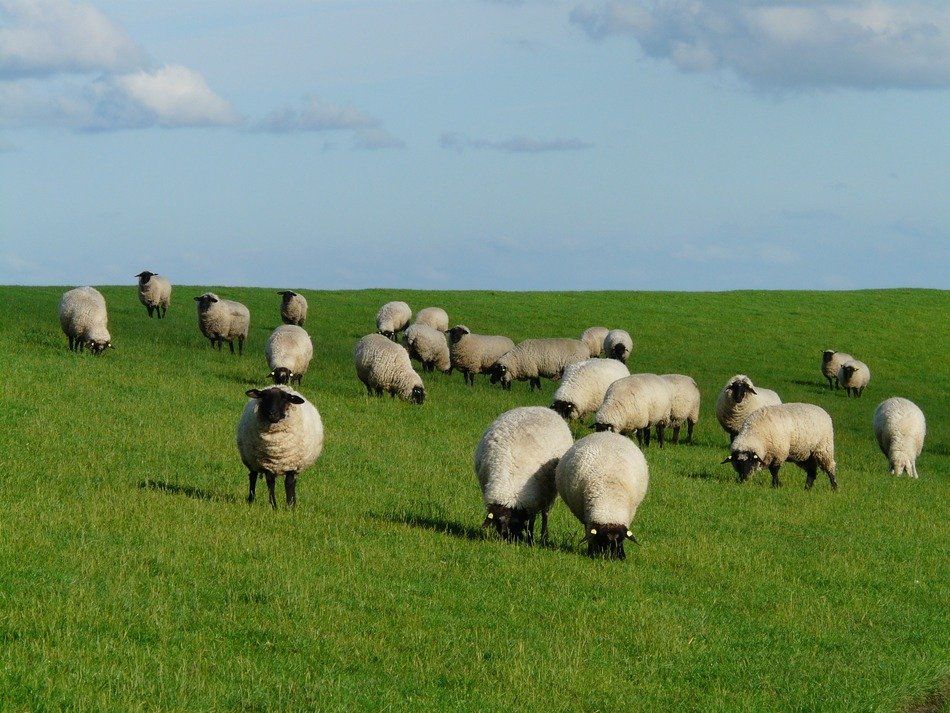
435, 317
831, 361
475, 353
514, 463
800, 433
583, 386
534, 358
738, 398
288, 351
635, 404
155, 292
900, 428
603, 478
593, 337
293, 308
854, 376
428, 345
685, 404
279, 433
84, 319
223, 321
392, 318
618, 344
384, 366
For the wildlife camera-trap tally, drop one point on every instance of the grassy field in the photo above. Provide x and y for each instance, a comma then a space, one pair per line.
134, 576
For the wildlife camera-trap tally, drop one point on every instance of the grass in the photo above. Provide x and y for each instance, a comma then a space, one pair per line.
133, 575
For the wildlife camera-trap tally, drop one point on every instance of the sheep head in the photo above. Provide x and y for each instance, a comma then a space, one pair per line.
511, 523
567, 410
273, 403
145, 276
738, 389
282, 375
607, 540
745, 463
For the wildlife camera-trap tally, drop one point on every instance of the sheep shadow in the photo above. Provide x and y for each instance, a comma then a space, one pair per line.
711, 476
186, 490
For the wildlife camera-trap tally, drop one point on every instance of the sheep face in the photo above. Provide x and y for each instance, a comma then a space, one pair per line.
418, 395
566, 409
605, 427
738, 390
619, 352
745, 463
98, 347
282, 375
389, 334
827, 355
145, 276
499, 373
848, 371
607, 541
287, 295
274, 403
456, 333
511, 523
205, 301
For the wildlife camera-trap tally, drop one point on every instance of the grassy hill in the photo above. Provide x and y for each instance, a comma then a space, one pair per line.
134, 576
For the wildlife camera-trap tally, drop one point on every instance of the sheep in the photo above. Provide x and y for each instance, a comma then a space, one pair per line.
685, 405
514, 463
618, 344
428, 345
534, 358
771, 435
279, 433
392, 318
593, 337
435, 317
831, 361
603, 478
84, 319
223, 321
900, 428
288, 351
738, 398
475, 353
583, 386
854, 376
155, 292
636, 403
293, 308
384, 366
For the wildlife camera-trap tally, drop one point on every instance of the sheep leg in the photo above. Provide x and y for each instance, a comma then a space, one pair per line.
290, 487
689, 431
529, 536
149, 308
639, 434
646, 436
676, 436
773, 469
811, 470
535, 383
660, 432
164, 310
240, 346
252, 486
544, 527
271, 482
231, 345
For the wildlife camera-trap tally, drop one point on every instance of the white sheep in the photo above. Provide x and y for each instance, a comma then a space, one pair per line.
384, 366
392, 318
289, 350
293, 307
635, 404
739, 398
900, 428
854, 376
593, 337
583, 386
223, 321
603, 478
84, 319
429, 346
684, 405
514, 463
279, 433
618, 344
155, 292
534, 358
831, 361
475, 353
771, 435
435, 317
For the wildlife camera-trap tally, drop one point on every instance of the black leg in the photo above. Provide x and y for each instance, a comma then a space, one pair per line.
530, 530
240, 346
811, 470
660, 432
544, 527
252, 486
676, 435
290, 487
689, 431
831, 478
271, 481
646, 436
773, 469
231, 345
639, 435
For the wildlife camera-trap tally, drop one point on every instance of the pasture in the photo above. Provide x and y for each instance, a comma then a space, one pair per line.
133, 576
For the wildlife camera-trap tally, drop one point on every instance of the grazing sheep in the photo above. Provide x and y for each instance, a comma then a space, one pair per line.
475, 353
603, 478
584, 384
514, 463
155, 292
289, 351
635, 404
854, 376
831, 361
293, 308
384, 366
428, 345
392, 318
84, 319
738, 398
618, 344
534, 358
593, 337
223, 321
435, 317
685, 405
900, 428
279, 433
771, 435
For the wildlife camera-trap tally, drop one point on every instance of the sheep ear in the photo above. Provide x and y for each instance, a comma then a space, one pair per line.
253, 393
755, 457
727, 459
488, 519
294, 399
633, 539
753, 391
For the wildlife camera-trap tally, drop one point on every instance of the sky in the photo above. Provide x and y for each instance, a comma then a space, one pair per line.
477, 144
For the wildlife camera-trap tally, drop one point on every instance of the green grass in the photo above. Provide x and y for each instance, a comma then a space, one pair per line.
133, 575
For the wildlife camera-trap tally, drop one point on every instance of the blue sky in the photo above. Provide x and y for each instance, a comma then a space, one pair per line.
532, 145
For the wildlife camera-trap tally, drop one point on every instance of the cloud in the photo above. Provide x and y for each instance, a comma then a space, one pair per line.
315, 116
376, 139
175, 96
517, 144
787, 44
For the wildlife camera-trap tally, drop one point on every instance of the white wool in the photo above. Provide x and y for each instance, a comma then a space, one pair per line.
900, 428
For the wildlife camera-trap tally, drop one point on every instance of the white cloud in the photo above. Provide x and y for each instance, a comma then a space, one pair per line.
315, 116
517, 144
175, 96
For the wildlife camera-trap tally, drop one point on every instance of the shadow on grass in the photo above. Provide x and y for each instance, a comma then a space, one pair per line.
820, 388
936, 701
710, 475
186, 490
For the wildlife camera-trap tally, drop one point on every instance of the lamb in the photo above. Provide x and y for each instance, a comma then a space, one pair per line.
288, 351
384, 366
738, 398
155, 292
392, 318
831, 361
583, 386
435, 317
618, 344
685, 405
900, 428
854, 375
603, 478
428, 345
534, 358
636, 403
593, 337
84, 319
279, 433
771, 435
293, 308
223, 321
475, 353
514, 463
